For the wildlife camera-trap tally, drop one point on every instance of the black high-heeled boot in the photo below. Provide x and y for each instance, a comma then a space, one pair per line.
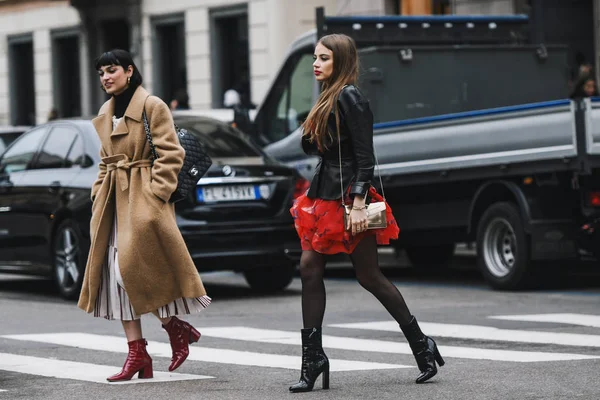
424, 349
314, 362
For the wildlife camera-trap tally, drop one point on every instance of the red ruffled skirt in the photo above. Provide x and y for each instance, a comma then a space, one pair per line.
320, 225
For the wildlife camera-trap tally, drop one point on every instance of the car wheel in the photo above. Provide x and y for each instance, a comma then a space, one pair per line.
270, 279
503, 247
69, 252
430, 256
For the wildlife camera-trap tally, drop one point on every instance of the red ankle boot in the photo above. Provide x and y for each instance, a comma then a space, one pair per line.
138, 360
181, 335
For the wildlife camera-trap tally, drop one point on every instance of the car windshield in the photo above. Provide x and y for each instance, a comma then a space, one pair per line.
221, 141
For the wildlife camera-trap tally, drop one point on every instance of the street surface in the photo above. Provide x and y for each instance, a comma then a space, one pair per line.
542, 344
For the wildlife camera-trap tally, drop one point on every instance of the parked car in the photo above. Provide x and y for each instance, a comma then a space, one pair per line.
9, 133
237, 219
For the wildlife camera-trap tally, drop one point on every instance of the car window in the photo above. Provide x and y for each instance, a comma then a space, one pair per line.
75, 156
19, 155
221, 140
56, 148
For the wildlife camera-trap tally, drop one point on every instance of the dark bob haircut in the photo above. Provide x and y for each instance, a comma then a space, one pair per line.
122, 58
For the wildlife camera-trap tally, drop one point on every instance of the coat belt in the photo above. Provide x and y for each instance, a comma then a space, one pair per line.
121, 163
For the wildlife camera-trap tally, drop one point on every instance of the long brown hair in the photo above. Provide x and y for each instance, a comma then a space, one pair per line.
345, 72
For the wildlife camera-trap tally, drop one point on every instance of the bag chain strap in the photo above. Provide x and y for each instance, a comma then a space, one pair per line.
149, 136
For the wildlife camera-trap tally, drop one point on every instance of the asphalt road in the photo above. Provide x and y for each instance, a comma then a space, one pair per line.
541, 344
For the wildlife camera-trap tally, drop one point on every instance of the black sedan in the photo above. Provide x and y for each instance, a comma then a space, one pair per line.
237, 219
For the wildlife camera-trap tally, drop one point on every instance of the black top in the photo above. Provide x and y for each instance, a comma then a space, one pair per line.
358, 160
122, 101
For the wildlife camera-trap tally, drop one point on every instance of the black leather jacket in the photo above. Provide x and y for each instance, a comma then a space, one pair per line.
358, 162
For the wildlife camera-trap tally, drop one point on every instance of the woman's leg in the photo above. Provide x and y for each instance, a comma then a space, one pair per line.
133, 329
314, 360
366, 264
163, 321
312, 269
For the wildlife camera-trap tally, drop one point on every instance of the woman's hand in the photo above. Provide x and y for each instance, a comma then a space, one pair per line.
357, 221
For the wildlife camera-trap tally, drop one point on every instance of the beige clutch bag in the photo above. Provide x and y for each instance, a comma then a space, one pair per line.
376, 217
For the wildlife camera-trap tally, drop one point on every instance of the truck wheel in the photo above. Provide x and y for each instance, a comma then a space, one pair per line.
270, 279
430, 256
70, 253
503, 247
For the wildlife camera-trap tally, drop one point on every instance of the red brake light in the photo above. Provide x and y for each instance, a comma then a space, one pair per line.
594, 199
302, 185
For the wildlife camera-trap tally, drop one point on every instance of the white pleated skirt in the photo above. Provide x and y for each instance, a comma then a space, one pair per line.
112, 302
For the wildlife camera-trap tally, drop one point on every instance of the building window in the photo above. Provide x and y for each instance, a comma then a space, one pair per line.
169, 56
66, 68
392, 7
22, 80
230, 59
116, 34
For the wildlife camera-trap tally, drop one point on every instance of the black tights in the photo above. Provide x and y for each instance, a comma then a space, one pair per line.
366, 265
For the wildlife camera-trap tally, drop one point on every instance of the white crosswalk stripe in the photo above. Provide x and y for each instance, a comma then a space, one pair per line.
115, 344
570, 319
477, 332
512, 339
381, 346
79, 371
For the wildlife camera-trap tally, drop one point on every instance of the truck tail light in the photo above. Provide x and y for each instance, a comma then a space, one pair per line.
594, 199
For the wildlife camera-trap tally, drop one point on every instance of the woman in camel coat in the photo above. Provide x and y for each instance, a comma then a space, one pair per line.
138, 261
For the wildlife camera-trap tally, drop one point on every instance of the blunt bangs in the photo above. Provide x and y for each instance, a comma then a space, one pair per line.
108, 58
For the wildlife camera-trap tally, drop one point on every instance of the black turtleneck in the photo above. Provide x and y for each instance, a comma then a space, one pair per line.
122, 101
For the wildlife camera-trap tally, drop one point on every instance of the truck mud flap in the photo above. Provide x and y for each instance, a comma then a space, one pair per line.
552, 240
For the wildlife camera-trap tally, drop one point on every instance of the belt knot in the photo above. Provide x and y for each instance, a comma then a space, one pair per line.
121, 163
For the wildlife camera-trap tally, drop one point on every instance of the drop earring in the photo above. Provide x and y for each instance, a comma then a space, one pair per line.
128, 80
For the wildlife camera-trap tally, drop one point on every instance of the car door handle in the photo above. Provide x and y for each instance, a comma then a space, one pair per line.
54, 187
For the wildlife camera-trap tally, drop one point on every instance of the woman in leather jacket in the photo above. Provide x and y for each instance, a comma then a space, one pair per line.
346, 169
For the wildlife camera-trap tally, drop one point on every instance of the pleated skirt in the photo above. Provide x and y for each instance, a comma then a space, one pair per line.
113, 303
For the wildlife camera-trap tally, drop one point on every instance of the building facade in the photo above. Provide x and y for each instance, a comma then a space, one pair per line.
204, 47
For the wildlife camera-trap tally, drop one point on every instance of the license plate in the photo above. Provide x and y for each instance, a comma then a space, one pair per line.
212, 194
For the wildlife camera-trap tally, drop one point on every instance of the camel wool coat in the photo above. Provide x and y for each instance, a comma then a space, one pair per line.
154, 261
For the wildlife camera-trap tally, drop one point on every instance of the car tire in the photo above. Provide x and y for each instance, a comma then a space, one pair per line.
270, 279
69, 253
431, 257
503, 248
